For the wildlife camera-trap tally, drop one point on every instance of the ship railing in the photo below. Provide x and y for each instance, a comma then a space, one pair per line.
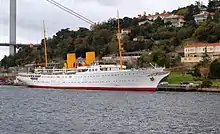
54, 71
158, 69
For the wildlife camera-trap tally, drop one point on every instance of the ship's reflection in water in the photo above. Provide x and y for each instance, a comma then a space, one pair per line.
39, 111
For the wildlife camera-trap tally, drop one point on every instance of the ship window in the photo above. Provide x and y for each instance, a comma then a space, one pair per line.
96, 69
84, 70
103, 69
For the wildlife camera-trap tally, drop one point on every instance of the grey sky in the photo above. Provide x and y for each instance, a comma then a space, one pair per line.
31, 13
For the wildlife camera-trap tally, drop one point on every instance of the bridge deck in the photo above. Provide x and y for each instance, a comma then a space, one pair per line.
18, 45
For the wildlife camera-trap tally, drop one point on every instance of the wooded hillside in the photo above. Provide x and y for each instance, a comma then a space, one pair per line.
158, 37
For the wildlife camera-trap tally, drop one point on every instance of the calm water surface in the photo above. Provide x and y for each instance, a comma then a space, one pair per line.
51, 111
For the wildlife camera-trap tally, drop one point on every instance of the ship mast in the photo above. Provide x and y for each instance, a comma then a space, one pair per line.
119, 40
45, 45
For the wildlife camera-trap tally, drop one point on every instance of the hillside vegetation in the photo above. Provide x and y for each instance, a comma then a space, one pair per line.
159, 38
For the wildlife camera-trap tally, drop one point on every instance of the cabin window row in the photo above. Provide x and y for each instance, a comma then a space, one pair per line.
86, 76
33, 76
79, 82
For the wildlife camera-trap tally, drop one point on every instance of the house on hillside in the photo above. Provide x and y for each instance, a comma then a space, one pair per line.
176, 20
139, 38
144, 22
193, 53
125, 31
154, 17
202, 16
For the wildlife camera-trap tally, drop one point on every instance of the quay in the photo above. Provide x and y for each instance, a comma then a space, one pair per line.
7, 75
186, 88
7, 78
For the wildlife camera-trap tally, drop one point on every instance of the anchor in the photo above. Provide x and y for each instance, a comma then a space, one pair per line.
152, 78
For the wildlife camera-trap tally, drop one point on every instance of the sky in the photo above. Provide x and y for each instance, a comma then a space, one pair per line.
31, 13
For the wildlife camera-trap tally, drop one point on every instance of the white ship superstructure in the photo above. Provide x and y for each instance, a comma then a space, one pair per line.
95, 77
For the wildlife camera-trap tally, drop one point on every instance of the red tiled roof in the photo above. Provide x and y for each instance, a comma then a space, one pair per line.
209, 13
212, 13
162, 15
180, 16
203, 45
205, 13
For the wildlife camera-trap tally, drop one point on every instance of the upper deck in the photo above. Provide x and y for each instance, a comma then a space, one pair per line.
80, 69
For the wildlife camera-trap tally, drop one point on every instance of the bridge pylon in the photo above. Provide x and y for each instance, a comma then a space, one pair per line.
12, 48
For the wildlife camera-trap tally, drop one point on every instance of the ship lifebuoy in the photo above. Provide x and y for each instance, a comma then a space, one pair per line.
152, 78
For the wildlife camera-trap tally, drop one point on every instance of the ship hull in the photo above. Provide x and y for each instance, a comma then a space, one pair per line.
97, 88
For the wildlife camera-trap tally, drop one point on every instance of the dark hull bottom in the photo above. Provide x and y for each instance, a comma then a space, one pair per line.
99, 88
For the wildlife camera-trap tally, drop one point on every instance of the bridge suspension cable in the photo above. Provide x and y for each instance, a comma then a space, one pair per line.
71, 12
1, 7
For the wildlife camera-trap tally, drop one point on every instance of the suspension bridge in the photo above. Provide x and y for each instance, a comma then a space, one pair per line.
12, 35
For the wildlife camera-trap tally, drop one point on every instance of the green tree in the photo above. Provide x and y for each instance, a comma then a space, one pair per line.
203, 31
190, 13
213, 5
159, 21
212, 39
214, 69
196, 72
205, 59
182, 11
158, 57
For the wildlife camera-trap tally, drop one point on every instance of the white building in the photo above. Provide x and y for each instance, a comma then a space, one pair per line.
202, 17
154, 17
144, 22
125, 31
193, 53
176, 20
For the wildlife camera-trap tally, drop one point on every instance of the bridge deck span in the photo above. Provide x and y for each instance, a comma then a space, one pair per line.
18, 45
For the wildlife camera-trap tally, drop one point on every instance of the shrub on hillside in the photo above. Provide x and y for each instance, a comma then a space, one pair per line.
206, 84
214, 72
